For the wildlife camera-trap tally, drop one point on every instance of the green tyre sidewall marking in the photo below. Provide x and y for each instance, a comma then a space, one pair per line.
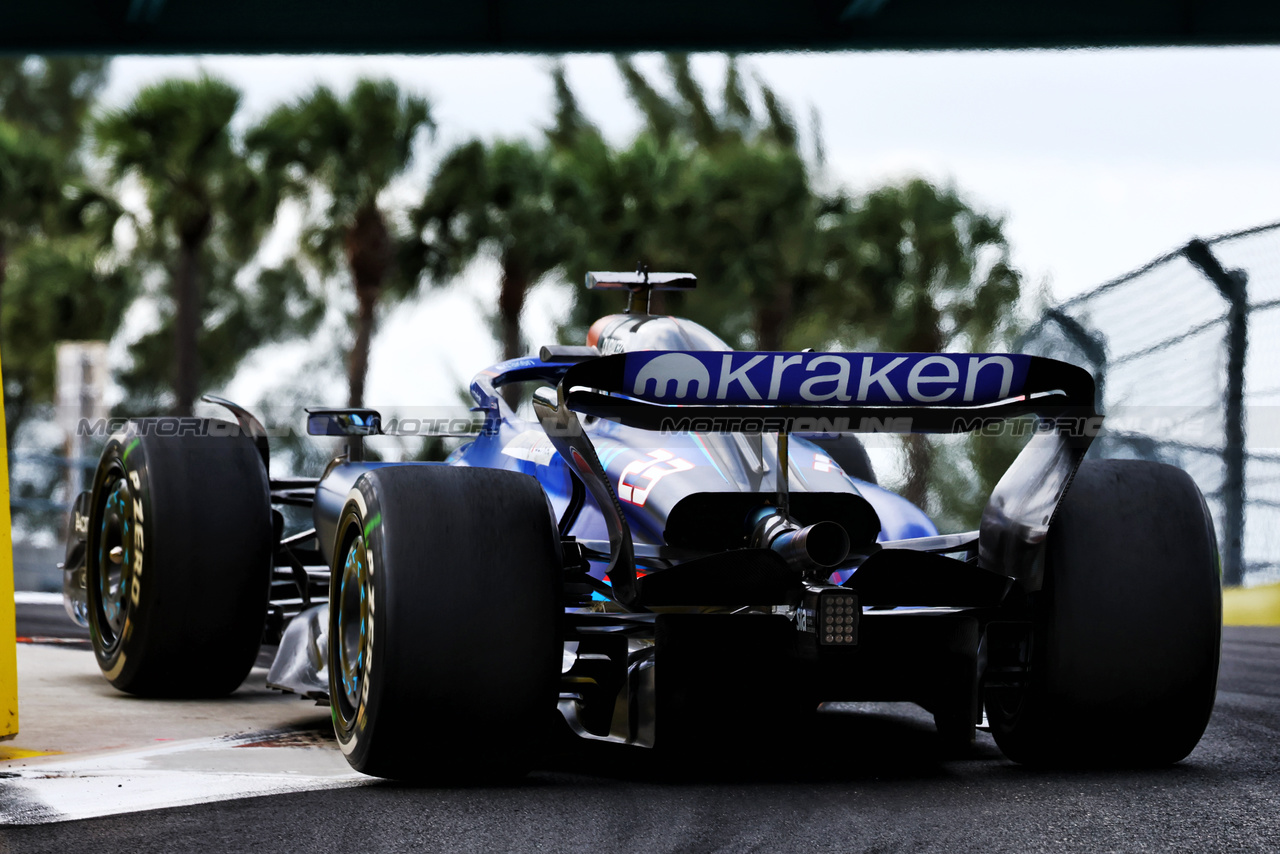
122, 457
464, 639
202, 519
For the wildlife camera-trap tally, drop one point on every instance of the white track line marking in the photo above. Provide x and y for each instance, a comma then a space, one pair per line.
56, 788
31, 597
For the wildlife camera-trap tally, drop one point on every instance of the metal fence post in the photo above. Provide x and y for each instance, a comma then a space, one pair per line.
1091, 345
1233, 287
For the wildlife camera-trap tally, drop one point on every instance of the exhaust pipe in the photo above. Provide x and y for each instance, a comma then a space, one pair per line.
822, 545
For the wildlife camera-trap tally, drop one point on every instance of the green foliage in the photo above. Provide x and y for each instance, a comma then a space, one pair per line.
277, 304
352, 149
175, 139
722, 193
31, 182
56, 281
726, 187
341, 155
56, 292
506, 199
964, 471
43, 105
497, 196
914, 267
432, 449
728, 195
51, 96
207, 207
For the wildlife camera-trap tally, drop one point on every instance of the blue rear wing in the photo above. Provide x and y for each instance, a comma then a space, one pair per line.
746, 392
706, 391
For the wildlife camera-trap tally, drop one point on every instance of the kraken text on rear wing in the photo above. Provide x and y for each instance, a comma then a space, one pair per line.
699, 391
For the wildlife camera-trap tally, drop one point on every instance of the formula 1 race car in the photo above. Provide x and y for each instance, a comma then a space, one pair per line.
683, 544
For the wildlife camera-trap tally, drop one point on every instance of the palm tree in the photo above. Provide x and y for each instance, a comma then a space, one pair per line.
499, 198
175, 139
729, 194
347, 152
725, 193
616, 202
916, 269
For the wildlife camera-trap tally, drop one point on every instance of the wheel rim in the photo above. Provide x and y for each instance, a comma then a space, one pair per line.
114, 561
353, 624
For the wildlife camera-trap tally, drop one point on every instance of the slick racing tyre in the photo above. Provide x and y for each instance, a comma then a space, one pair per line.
178, 557
1127, 627
444, 623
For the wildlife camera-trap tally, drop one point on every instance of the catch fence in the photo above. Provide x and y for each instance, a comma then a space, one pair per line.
1186, 354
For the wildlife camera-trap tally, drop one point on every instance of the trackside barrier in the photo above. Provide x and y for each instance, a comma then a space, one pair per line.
1251, 606
8, 628
1172, 382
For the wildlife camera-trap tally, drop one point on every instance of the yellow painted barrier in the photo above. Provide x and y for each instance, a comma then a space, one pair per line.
1251, 606
8, 629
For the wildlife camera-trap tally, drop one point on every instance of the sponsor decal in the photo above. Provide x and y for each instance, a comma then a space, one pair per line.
531, 446
517, 364
139, 540
640, 477
676, 375
805, 620
611, 346
830, 379
821, 462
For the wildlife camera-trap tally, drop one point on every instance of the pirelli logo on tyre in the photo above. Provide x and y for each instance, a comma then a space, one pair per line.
876, 379
139, 538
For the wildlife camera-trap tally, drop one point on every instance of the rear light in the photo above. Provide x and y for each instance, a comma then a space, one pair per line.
830, 614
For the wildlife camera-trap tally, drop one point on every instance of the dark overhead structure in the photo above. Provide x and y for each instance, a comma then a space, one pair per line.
473, 26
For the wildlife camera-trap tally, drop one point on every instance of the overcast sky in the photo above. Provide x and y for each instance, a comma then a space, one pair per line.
1099, 160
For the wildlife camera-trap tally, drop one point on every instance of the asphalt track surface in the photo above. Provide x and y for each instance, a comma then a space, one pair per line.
868, 778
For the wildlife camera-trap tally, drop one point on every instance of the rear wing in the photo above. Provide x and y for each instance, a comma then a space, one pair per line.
702, 391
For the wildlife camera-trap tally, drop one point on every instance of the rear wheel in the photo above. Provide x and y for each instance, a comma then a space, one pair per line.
178, 558
444, 632
1127, 627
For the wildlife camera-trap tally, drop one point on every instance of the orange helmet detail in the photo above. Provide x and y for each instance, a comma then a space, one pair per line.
593, 334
